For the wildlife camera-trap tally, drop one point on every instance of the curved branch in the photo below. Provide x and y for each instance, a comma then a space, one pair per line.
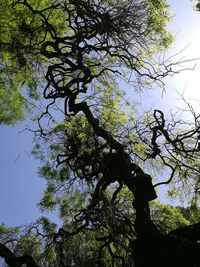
13, 261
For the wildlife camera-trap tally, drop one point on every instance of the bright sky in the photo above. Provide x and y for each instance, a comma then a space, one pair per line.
20, 185
185, 26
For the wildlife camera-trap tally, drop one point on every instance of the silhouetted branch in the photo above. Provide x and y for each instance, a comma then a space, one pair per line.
16, 261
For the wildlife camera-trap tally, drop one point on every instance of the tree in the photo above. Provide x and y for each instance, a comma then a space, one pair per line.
21, 67
101, 159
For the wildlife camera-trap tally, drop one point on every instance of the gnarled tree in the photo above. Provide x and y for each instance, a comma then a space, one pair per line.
83, 48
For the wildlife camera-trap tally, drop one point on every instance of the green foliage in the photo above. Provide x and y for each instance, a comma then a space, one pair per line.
158, 19
196, 4
21, 34
11, 103
8, 232
191, 213
11, 100
168, 217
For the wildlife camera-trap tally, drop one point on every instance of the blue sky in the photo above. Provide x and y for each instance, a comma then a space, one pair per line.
20, 185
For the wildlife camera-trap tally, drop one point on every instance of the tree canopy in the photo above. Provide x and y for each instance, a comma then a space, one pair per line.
102, 160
